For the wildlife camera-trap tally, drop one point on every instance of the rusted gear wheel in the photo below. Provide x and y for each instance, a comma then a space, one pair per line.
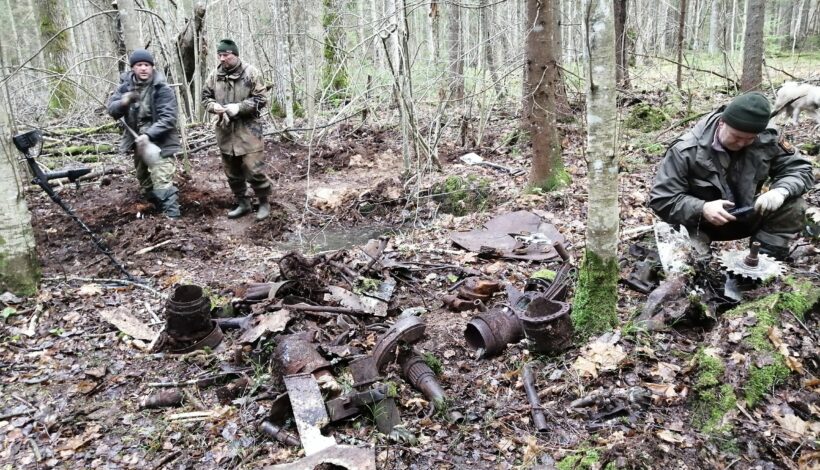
751, 265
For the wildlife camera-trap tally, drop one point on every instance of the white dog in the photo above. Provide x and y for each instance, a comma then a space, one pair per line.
793, 97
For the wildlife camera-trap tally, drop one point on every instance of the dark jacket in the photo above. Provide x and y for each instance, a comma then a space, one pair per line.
162, 129
691, 173
244, 85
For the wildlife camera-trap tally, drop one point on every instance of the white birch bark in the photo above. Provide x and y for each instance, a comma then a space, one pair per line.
715, 26
130, 24
603, 211
19, 272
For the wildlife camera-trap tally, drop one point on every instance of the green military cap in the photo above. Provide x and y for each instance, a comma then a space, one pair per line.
749, 112
226, 45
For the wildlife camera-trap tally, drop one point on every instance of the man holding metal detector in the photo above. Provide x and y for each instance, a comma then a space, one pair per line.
147, 106
730, 177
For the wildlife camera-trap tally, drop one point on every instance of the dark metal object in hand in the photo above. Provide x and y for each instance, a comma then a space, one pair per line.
740, 212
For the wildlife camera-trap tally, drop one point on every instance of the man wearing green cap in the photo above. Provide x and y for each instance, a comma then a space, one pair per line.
235, 92
723, 164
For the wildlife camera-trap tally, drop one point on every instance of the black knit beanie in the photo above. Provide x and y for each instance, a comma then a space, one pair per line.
226, 45
140, 55
748, 112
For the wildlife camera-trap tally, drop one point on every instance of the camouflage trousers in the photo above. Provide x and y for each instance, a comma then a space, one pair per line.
244, 169
158, 177
777, 229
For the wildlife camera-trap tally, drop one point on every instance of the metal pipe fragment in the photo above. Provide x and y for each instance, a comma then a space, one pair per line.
493, 331
538, 418
422, 377
162, 399
457, 304
279, 434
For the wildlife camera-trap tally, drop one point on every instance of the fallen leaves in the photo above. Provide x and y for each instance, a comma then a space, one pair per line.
601, 355
127, 323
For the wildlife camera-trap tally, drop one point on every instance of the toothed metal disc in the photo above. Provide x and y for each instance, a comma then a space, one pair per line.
767, 267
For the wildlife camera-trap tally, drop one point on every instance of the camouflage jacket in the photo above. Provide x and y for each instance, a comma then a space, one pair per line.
243, 85
161, 123
695, 170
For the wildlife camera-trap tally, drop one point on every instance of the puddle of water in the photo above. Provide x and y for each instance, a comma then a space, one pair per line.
334, 238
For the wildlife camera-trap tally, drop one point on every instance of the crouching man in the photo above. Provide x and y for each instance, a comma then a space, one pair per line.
149, 107
722, 165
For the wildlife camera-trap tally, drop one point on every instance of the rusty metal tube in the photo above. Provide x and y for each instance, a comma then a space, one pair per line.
538, 418
279, 434
547, 324
188, 314
493, 331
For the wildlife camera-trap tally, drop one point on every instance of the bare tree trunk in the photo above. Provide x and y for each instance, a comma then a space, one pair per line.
129, 19
672, 20
784, 24
484, 18
52, 16
594, 308
715, 26
541, 78
456, 53
621, 50
753, 46
19, 270
190, 44
561, 98
681, 35
283, 73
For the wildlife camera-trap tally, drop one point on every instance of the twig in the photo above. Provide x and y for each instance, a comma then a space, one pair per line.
167, 459
149, 249
15, 414
118, 281
780, 70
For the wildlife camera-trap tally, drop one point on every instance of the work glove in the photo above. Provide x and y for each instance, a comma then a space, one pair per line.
223, 120
130, 97
217, 108
770, 201
147, 150
232, 109
716, 214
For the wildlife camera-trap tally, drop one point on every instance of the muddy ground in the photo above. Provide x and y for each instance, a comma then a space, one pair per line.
72, 383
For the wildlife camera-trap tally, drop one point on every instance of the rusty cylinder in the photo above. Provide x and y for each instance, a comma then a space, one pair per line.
493, 331
188, 314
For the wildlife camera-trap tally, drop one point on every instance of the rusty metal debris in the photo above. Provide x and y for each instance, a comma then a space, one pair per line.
457, 304
491, 332
278, 433
644, 276
162, 399
309, 412
528, 379
536, 244
406, 330
751, 264
547, 325
354, 403
188, 316
347, 457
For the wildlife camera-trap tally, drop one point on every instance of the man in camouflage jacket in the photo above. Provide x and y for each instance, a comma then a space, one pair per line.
725, 162
149, 107
236, 93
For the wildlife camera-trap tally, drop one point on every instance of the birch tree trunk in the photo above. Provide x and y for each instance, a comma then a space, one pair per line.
594, 308
19, 270
541, 82
334, 78
283, 75
753, 46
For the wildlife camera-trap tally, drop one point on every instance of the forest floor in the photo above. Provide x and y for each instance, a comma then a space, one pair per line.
737, 389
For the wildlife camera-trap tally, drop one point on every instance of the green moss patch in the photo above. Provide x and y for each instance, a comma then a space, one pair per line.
647, 118
714, 398
584, 459
461, 196
596, 295
762, 380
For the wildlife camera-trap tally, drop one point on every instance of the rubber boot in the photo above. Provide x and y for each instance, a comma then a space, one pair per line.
151, 197
168, 202
264, 208
242, 208
780, 253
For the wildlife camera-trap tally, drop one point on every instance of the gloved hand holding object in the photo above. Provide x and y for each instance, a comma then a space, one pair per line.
147, 150
130, 98
232, 109
217, 108
771, 200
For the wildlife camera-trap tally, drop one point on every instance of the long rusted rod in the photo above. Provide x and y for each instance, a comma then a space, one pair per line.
538, 418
